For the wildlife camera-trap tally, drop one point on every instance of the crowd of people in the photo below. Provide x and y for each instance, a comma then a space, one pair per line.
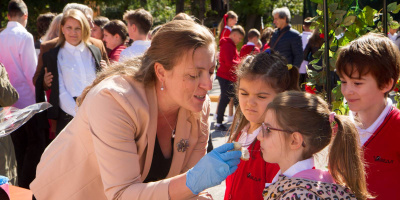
130, 110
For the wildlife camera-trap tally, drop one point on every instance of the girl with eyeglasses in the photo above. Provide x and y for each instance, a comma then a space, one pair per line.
260, 79
298, 125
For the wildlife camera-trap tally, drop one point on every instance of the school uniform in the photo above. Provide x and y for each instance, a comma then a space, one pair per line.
225, 32
137, 48
381, 152
248, 181
249, 48
114, 54
228, 60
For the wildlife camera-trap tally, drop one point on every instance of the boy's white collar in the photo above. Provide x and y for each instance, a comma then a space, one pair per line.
378, 121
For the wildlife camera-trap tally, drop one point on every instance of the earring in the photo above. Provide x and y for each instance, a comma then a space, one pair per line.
162, 86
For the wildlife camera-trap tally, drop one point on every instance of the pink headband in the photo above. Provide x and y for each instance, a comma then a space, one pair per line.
334, 125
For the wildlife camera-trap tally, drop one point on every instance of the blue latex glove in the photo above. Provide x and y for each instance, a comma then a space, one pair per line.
213, 168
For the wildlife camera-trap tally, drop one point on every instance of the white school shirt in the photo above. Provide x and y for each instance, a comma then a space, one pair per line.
17, 53
392, 37
76, 70
305, 36
250, 44
137, 48
228, 27
365, 134
246, 139
294, 169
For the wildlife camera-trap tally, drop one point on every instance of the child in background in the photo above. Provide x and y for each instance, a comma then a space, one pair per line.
260, 78
259, 45
97, 31
115, 34
224, 30
250, 48
139, 23
368, 69
226, 24
266, 37
228, 59
298, 125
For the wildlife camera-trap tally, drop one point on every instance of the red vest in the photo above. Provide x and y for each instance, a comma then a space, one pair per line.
224, 33
248, 181
382, 157
228, 59
248, 49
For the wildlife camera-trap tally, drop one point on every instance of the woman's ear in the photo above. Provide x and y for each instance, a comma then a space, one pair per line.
160, 71
296, 140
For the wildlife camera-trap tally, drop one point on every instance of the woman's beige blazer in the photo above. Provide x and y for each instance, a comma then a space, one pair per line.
105, 152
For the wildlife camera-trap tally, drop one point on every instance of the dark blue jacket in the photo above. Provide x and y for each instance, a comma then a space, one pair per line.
289, 46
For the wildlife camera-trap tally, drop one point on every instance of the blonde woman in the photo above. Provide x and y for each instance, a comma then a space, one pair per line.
73, 63
141, 127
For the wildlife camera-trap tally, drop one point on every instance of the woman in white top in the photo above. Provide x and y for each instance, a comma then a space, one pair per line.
74, 63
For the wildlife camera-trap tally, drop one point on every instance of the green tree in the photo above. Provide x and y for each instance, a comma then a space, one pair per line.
347, 21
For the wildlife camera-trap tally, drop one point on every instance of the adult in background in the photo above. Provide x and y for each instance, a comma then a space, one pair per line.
42, 24
286, 40
17, 53
74, 62
141, 127
115, 34
46, 46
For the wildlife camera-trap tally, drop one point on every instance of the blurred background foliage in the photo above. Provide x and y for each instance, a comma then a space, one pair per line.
252, 13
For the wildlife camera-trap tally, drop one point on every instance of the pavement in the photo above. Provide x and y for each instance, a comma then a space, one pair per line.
218, 138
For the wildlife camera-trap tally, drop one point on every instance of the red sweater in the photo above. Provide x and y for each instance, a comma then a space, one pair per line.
248, 49
228, 59
382, 157
248, 181
224, 33
114, 54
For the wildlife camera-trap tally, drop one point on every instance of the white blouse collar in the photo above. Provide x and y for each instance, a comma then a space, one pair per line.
71, 48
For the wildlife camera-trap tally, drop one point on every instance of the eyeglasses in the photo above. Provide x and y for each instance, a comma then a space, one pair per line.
267, 129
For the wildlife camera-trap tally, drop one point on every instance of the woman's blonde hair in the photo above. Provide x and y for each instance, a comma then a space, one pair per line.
54, 28
77, 15
168, 47
309, 115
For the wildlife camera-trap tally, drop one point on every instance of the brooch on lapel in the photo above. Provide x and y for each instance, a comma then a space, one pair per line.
182, 145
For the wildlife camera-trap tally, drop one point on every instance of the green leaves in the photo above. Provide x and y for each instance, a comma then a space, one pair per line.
339, 13
332, 7
317, 1
349, 20
392, 7
396, 10
368, 15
